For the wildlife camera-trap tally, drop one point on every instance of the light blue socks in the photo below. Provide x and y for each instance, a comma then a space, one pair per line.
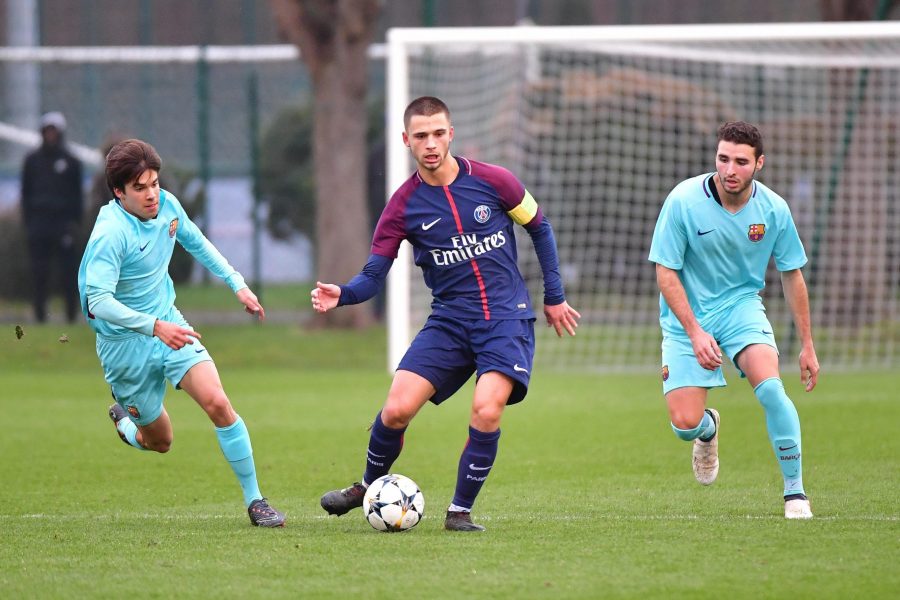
783, 425
235, 443
127, 428
705, 430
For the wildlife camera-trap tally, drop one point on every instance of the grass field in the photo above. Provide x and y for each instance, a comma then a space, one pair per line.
592, 496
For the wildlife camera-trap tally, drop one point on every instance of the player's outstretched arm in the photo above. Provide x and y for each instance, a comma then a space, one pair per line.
562, 317
251, 303
325, 296
361, 287
798, 300
174, 336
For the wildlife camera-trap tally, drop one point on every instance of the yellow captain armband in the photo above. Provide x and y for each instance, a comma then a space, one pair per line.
525, 211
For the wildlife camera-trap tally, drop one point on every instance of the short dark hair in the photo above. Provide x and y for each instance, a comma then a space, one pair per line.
127, 160
424, 106
741, 132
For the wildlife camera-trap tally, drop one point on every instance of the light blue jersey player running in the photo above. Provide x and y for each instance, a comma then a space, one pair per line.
712, 244
128, 299
460, 216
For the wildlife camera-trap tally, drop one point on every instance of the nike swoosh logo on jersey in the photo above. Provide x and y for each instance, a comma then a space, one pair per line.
767, 332
474, 468
516, 367
704, 232
200, 350
144, 246
426, 227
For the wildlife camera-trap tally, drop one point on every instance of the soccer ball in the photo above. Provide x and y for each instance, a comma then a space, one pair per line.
393, 503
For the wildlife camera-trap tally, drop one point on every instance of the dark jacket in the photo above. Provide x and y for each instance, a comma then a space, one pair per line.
52, 195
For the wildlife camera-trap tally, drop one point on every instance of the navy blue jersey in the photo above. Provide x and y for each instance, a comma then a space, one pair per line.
463, 240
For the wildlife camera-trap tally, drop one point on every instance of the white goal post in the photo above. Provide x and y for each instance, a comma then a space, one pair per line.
601, 122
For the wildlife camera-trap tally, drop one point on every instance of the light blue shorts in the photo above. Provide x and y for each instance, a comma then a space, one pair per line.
136, 368
735, 329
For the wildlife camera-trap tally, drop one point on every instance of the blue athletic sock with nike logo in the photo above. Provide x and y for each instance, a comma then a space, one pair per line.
385, 445
234, 440
474, 467
783, 425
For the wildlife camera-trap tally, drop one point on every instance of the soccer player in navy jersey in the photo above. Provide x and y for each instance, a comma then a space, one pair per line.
712, 244
128, 299
458, 214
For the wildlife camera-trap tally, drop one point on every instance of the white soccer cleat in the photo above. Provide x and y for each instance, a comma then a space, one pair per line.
705, 455
798, 508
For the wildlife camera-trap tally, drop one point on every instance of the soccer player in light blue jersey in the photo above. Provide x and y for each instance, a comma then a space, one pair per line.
712, 244
460, 217
128, 299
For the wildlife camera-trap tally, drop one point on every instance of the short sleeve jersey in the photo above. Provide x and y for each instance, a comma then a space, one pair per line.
721, 257
130, 258
463, 240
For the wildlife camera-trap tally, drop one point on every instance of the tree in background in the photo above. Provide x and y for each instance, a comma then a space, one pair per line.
287, 174
334, 37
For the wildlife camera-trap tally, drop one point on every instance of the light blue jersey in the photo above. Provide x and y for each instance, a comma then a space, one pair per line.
129, 258
721, 257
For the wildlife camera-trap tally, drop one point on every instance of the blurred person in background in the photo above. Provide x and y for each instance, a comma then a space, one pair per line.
52, 208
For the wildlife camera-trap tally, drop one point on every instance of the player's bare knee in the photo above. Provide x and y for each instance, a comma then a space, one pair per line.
686, 419
161, 445
395, 415
219, 409
486, 417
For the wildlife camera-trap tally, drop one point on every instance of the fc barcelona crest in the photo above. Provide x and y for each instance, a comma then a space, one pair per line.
134, 412
665, 373
756, 232
173, 227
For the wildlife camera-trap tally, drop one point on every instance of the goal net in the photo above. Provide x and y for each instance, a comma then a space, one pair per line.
601, 122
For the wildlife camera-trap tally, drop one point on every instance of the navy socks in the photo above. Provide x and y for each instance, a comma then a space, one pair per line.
474, 467
385, 445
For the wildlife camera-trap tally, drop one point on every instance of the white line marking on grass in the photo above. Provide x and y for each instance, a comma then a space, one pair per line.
610, 517
107, 517
517, 517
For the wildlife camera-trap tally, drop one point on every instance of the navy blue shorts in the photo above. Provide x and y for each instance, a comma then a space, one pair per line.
447, 351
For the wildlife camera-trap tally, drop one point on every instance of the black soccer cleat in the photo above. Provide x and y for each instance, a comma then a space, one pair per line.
263, 515
116, 414
460, 521
338, 502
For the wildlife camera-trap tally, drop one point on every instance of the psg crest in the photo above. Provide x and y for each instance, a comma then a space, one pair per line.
756, 232
482, 213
